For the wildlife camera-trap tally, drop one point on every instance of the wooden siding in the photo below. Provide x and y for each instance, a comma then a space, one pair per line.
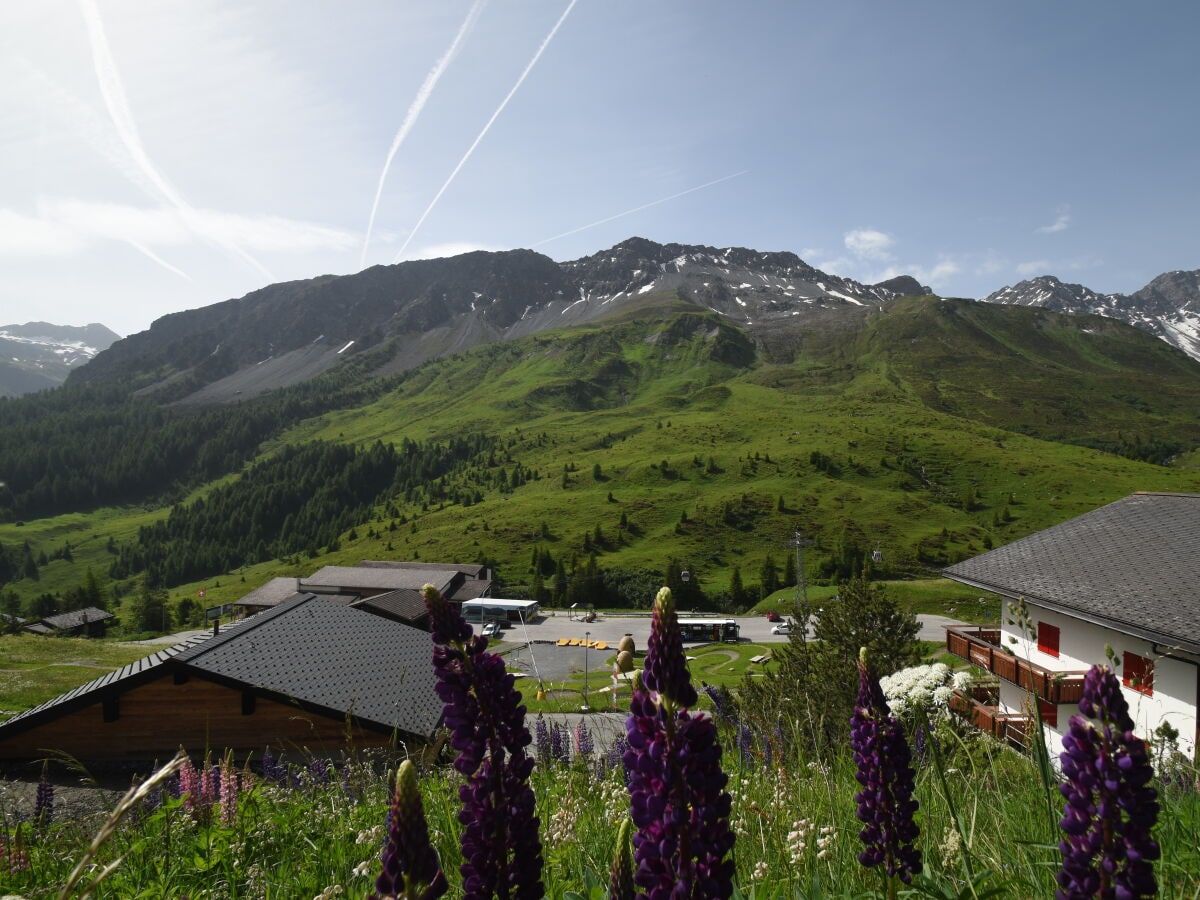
152, 721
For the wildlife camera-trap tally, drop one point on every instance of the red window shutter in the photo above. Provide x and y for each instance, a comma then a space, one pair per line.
1049, 712
1047, 638
1137, 673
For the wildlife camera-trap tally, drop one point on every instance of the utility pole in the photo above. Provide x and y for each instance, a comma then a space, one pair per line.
799, 542
587, 642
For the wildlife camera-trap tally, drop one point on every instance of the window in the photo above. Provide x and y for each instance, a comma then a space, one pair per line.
1047, 637
1048, 712
1137, 673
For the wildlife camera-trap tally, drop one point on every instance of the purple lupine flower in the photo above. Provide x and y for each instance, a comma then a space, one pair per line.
885, 803
410, 868
559, 751
43, 804
722, 705
673, 762
920, 742
541, 740
745, 743
319, 770
212, 785
1110, 807
666, 671
502, 851
583, 741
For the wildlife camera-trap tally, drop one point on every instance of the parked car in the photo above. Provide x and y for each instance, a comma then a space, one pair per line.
782, 628
491, 629
773, 616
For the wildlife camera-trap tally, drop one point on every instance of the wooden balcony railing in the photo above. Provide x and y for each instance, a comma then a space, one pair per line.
982, 647
979, 707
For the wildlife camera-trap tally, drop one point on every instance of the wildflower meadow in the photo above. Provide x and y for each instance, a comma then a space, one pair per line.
689, 801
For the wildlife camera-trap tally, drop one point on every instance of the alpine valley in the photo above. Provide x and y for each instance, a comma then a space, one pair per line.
583, 425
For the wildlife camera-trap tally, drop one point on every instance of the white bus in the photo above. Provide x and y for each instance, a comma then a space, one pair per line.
493, 609
709, 630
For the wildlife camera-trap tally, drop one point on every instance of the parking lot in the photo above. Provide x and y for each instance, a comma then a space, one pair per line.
555, 663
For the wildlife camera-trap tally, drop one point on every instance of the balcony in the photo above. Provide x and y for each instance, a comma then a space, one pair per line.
979, 705
982, 647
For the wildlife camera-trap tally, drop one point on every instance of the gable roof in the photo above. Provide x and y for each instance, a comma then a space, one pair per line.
1133, 566
325, 657
77, 618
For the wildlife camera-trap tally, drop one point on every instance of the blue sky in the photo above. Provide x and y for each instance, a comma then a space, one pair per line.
168, 155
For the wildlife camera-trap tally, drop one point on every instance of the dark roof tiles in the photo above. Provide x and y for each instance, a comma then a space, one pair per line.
320, 654
1133, 565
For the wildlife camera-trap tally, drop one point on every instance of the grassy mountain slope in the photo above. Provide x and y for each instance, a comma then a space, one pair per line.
884, 432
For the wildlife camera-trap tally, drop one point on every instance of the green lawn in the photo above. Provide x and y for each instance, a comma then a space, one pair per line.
35, 669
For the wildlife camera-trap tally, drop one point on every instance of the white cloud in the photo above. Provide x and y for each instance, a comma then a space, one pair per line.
63, 226
22, 235
868, 243
1060, 224
930, 275
1035, 267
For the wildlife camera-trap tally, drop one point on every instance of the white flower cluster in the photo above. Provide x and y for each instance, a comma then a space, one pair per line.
926, 687
798, 839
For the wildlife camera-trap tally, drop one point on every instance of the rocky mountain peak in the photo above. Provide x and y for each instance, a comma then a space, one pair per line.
1168, 307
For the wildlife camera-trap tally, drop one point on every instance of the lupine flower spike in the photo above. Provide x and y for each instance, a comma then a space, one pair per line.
1110, 807
620, 883
502, 852
43, 807
410, 870
677, 791
885, 803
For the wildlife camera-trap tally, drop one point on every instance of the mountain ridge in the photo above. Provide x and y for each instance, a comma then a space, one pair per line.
36, 356
1167, 307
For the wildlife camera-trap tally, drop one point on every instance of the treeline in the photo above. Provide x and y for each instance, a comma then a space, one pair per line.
88, 445
299, 501
570, 580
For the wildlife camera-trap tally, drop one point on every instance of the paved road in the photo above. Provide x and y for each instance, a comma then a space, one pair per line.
611, 628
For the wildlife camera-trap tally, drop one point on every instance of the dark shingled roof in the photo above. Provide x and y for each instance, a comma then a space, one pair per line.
406, 604
326, 657
77, 618
1133, 566
331, 657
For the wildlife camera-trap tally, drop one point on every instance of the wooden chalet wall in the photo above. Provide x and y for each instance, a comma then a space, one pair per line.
153, 720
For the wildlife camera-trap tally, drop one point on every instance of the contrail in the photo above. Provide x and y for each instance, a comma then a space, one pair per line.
462, 162
630, 212
113, 93
150, 254
414, 111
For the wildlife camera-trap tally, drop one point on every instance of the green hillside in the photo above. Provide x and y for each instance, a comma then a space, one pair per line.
931, 430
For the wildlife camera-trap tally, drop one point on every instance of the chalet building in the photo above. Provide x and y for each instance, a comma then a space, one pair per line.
1124, 577
388, 589
308, 673
87, 622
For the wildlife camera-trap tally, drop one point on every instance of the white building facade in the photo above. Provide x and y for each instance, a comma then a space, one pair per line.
1119, 585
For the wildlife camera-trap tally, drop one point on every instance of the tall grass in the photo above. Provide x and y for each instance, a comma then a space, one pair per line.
317, 831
